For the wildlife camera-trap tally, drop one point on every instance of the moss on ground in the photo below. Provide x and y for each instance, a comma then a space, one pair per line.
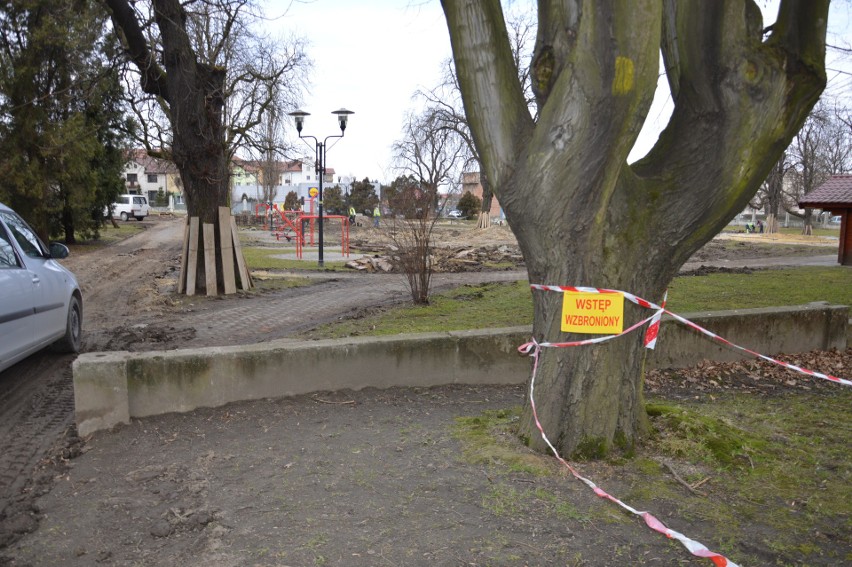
779, 466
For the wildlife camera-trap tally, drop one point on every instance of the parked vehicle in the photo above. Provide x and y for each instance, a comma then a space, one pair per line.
40, 301
455, 214
127, 206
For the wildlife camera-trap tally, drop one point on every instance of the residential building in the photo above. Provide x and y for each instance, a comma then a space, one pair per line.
145, 175
471, 183
297, 176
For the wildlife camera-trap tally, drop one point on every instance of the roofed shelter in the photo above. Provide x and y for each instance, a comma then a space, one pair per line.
835, 195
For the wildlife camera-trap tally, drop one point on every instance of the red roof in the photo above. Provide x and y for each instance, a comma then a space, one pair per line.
837, 190
151, 164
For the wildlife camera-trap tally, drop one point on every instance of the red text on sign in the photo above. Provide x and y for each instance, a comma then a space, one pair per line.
590, 304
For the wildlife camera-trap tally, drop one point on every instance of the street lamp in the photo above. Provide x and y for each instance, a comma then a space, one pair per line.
320, 149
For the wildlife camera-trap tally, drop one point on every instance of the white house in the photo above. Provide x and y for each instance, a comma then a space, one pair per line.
297, 176
144, 175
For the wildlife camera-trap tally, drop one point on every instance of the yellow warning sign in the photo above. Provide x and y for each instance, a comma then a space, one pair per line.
313, 191
592, 313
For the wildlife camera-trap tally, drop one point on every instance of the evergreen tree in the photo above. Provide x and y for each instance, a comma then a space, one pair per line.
469, 204
332, 198
61, 142
363, 196
291, 201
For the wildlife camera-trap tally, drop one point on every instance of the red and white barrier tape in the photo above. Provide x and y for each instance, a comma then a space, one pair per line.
696, 548
533, 348
660, 310
654, 327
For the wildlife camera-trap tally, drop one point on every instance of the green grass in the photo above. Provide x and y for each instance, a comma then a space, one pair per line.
764, 288
468, 307
264, 258
817, 231
494, 305
108, 235
487, 439
781, 462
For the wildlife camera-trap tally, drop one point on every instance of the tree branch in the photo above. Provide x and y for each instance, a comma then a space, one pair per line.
494, 101
731, 91
127, 24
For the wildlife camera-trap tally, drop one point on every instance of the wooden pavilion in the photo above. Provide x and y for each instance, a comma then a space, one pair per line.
835, 196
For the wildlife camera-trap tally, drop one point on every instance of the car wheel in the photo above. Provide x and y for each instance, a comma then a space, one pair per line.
124, 216
73, 328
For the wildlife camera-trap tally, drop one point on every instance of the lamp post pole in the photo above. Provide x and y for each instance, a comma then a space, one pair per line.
320, 149
320, 170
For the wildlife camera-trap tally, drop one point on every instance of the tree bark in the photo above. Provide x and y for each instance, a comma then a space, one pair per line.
195, 95
775, 193
487, 197
581, 215
808, 223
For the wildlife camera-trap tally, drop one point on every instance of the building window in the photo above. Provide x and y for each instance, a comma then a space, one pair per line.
152, 178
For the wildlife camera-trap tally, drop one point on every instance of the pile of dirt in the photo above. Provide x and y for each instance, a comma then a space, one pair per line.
703, 270
463, 249
491, 258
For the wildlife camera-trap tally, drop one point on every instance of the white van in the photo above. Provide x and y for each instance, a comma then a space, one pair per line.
127, 206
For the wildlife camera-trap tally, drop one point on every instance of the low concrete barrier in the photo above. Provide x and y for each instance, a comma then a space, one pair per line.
111, 388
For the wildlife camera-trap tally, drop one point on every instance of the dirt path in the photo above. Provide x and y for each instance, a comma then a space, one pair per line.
360, 479
367, 478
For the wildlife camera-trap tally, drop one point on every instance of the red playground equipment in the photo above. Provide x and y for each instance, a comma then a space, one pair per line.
291, 225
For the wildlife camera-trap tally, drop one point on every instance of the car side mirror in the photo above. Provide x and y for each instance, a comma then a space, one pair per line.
58, 250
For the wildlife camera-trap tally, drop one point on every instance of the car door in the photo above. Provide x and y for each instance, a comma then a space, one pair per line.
47, 280
16, 301
140, 206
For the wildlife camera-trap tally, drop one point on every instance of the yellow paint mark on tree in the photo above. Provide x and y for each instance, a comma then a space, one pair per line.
622, 82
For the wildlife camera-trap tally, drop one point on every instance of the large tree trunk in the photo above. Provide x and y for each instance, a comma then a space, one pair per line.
808, 223
198, 135
195, 95
581, 215
487, 197
775, 193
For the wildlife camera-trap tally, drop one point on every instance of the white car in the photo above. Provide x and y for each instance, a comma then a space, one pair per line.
40, 300
127, 206
455, 214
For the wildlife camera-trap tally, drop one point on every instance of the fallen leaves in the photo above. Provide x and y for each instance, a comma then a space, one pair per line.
756, 376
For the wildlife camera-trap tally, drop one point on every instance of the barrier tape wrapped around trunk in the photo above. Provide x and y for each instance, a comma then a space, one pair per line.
533, 349
659, 311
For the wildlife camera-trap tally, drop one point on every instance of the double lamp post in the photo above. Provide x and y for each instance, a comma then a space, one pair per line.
320, 149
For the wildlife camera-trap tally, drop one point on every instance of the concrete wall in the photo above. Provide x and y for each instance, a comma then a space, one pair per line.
110, 388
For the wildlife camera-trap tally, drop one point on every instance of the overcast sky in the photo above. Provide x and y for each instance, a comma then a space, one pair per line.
371, 57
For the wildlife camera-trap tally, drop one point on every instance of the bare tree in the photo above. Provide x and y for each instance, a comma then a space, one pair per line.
770, 197
822, 148
205, 72
582, 215
445, 102
429, 156
271, 147
409, 226
429, 151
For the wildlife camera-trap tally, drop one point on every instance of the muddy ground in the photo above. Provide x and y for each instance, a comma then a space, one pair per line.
346, 478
